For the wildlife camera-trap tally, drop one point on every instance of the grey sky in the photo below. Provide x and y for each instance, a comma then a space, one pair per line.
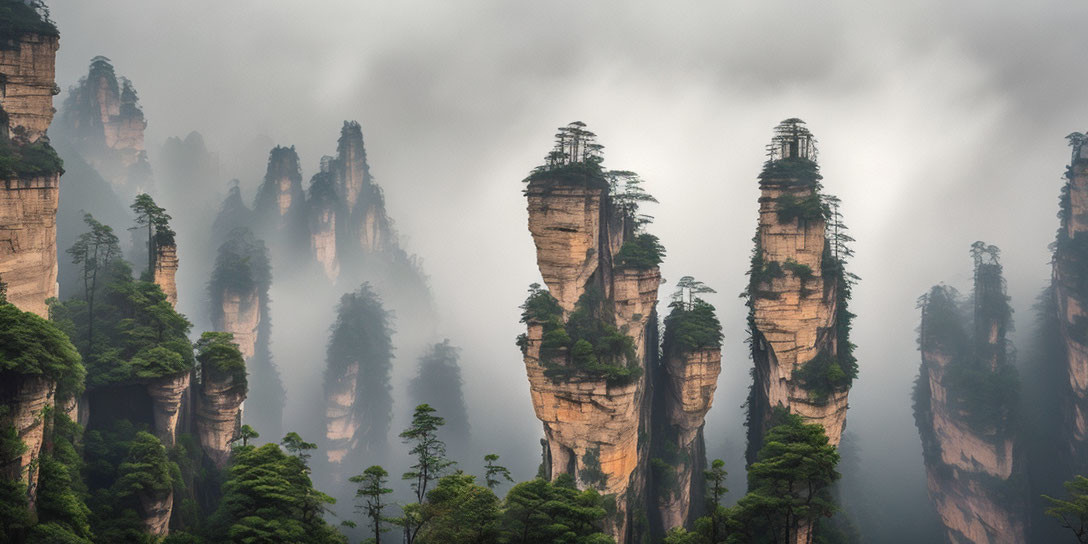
939, 122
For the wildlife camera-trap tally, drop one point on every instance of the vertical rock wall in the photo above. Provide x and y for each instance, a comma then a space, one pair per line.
26, 90
1070, 260
166, 268
26, 399
28, 241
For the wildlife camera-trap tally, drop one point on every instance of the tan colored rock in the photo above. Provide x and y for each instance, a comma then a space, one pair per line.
341, 426
241, 316
217, 415
693, 378
323, 241
166, 394
28, 241
565, 224
26, 94
26, 397
166, 268
156, 513
795, 324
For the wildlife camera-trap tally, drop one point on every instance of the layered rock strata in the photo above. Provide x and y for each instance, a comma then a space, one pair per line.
592, 426
28, 85
166, 395
217, 415
166, 269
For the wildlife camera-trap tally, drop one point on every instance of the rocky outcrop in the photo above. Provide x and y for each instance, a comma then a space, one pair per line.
797, 294
166, 268
596, 425
28, 241
103, 119
341, 425
28, 202
166, 397
280, 196
1070, 262
157, 509
217, 415
361, 197
26, 399
964, 415
240, 315
28, 85
322, 220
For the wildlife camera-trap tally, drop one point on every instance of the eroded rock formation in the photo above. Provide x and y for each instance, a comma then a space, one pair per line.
166, 398
166, 269
797, 296
217, 414
595, 407
102, 118
29, 193
26, 398
963, 411
1070, 264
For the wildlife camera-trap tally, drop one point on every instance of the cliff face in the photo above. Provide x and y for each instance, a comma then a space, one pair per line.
280, 197
1070, 258
322, 207
362, 198
28, 241
26, 90
217, 415
592, 424
794, 311
341, 425
241, 316
166, 396
973, 461
103, 119
156, 513
691, 379
28, 203
26, 397
166, 268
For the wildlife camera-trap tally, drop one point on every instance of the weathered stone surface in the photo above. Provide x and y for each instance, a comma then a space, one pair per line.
166, 394
795, 322
241, 316
1071, 312
217, 415
166, 268
156, 512
28, 241
693, 378
565, 224
26, 397
26, 91
341, 425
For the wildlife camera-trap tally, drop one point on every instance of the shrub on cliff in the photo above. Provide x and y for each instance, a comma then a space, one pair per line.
19, 17
29, 160
807, 208
642, 252
692, 327
30, 345
219, 356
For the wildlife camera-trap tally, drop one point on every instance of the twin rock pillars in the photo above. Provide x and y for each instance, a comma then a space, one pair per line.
638, 435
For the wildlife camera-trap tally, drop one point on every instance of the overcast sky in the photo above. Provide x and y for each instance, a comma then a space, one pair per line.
939, 123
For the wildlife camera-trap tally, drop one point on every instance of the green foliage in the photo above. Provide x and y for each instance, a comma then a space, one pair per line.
14, 513
159, 234
369, 495
27, 160
241, 267
691, 328
793, 170
575, 159
429, 452
137, 334
438, 383
460, 512
542, 512
807, 208
788, 486
19, 17
220, 358
823, 375
269, 497
1072, 513
803, 272
643, 252
494, 473
362, 337
30, 345
63, 515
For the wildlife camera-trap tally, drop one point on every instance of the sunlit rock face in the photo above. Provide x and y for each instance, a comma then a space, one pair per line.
28, 241
584, 414
794, 317
166, 268
28, 204
102, 118
26, 398
241, 316
166, 397
27, 88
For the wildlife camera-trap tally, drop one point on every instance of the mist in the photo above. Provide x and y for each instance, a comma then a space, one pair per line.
938, 125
